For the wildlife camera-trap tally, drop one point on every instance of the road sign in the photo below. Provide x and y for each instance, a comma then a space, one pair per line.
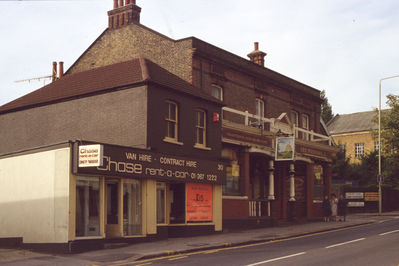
380, 178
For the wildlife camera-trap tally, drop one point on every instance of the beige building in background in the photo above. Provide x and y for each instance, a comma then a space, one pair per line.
354, 132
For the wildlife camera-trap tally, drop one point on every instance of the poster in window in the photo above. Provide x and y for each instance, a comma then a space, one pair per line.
199, 202
285, 148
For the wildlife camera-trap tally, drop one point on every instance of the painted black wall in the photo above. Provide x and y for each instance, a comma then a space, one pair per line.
157, 110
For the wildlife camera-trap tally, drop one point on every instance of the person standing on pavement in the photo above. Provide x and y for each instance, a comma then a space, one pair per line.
342, 208
334, 207
326, 208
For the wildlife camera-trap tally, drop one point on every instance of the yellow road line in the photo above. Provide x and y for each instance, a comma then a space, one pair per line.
179, 258
230, 247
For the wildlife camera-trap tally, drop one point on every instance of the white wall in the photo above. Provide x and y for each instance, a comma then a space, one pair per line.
34, 191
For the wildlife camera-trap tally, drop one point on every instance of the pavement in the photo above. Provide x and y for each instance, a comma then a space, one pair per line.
135, 252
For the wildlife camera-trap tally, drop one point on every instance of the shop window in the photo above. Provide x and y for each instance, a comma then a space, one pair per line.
171, 121
161, 203
359, 150
200, 128
217, 92
177, 192
132, 208
232, 186
305, 125
199, 202
87, 206
318, 192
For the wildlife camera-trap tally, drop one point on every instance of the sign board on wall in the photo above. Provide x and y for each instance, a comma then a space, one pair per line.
199, 202
355, 204
285, 149
137, 163
354, 195
90, 155
371, 196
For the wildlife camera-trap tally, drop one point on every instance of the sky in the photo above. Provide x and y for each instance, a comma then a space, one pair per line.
344, 47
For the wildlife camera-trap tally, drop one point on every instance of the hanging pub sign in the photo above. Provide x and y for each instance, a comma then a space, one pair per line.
137, 163
285, 148
90, 155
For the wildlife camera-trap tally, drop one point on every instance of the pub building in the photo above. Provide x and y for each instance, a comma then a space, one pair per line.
122, 153
186, 99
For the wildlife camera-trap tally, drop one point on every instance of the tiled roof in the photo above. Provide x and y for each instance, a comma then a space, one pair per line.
103, 79
355, 122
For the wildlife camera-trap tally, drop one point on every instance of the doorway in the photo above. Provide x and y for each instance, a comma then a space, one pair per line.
112, 208
177, 203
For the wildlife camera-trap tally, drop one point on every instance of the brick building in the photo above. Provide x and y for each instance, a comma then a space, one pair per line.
354, 133
159, 172
246, 87
189, 78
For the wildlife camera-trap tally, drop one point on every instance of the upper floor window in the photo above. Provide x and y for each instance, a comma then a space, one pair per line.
359, 150
171, 121
260, 111
200, 128
294, 120
217, 92
305, 125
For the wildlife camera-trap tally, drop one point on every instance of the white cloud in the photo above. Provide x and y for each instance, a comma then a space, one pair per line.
341, 46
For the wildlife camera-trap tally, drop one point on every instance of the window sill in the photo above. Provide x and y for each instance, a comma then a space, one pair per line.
173, 141
201, 147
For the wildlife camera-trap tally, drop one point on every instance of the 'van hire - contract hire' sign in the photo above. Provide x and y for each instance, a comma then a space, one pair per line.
128, 162
91, 155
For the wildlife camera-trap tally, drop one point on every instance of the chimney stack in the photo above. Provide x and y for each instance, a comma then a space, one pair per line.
61, 69
125, 12
256, 56
54, 73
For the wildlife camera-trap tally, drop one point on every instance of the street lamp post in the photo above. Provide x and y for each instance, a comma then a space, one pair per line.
379, 146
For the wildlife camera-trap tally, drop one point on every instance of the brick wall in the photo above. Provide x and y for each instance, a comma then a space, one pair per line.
240, 89
350, 139
95, 118
134, 41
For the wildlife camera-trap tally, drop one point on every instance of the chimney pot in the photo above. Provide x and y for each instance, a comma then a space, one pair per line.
125, 12
61, 69
54, 74
257, 56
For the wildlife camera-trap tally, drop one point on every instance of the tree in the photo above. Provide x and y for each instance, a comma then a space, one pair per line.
390, 124
390, 141
341, 167
326, 109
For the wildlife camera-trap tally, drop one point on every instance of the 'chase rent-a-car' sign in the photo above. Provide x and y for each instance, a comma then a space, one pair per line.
135, 163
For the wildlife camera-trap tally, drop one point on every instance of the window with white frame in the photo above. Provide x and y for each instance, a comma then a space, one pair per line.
294, 121
200, 128
305, 125
377, 145
171, 121
359, 150
260, 111
217, 92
